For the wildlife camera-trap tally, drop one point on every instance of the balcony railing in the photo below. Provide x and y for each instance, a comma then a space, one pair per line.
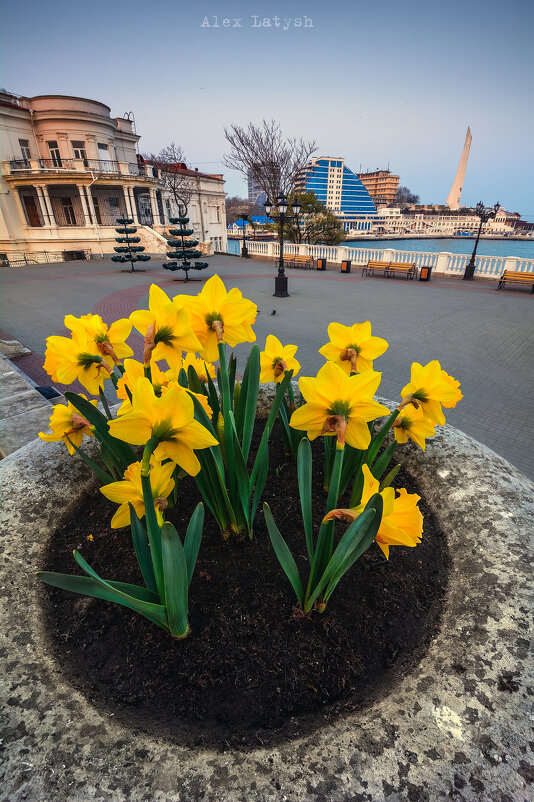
19, 164
98, 166
56, 164
102, 165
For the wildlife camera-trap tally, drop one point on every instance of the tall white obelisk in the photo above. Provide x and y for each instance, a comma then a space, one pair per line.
453, 199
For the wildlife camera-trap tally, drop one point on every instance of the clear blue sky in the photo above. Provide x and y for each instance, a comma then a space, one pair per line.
378, 82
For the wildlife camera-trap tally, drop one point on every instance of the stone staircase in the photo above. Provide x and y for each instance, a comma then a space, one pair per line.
24, 412
154, 243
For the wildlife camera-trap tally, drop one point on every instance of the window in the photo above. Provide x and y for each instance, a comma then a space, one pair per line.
68, 211
25, 149
54, 153
103, 155
78, 149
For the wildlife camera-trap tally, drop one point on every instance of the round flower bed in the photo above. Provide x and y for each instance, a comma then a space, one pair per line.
458, 723
255, 669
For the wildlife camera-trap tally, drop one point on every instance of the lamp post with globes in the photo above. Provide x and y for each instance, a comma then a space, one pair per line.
280, 281
484, 213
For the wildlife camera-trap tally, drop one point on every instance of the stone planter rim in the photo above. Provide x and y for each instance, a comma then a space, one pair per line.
442, 732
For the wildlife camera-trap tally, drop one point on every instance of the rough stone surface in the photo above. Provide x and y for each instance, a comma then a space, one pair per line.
459, 727
23, 411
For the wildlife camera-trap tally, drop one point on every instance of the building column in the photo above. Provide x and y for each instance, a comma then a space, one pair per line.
42, 205
133, 205
127, 206
47, 204
91, 148
63, 145
85, 209
154, 206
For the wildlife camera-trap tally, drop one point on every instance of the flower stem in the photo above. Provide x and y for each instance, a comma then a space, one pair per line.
147, 453
225, 379
335, 481
105, 404
379, 438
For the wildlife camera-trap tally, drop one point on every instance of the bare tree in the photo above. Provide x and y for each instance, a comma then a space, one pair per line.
265, 154
173, 175
406, 196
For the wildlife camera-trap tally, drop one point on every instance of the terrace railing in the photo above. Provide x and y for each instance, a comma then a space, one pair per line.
20, 258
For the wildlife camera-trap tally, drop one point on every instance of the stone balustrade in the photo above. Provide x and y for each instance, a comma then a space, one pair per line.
446, 263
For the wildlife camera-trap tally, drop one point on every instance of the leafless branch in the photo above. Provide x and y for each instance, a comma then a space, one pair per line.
264, 152
170, 162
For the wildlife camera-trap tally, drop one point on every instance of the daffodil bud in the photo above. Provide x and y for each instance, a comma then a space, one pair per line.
237, 393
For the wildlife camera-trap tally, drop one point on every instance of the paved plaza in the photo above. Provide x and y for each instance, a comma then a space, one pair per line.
482, 337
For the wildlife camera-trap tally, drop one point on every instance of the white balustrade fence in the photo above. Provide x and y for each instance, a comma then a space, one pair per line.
442, 262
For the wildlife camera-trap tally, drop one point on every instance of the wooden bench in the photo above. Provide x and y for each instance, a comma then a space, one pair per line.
390, 268
408, 270
516, 277
307, 262
371, 266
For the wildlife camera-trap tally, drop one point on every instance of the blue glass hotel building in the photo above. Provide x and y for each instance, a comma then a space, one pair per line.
338, 188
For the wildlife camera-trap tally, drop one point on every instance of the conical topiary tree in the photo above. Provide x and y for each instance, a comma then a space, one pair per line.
185, 248
129, 251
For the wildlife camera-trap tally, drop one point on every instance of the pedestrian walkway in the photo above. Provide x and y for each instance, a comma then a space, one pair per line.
482, 337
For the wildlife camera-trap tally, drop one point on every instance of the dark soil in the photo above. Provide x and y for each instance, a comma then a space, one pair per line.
253, 670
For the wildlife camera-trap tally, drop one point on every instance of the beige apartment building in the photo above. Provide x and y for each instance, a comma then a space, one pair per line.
69, 169
381, 185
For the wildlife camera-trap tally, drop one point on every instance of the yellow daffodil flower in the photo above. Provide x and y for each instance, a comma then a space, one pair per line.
219, 316
67, 423
402, 521
334, 394
276, 359
433, 388
130, 490
169, 419
411, 423
352, 347
134, 370
203, 369
110, 340
166, 328
200, 396
67, 360
453, 383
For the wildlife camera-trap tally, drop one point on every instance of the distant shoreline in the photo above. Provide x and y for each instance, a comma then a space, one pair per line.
389, 237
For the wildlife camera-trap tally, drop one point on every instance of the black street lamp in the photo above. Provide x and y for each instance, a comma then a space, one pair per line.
244, 249
485, 214
280, 281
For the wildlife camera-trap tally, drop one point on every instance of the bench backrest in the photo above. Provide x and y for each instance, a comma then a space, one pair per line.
517, 274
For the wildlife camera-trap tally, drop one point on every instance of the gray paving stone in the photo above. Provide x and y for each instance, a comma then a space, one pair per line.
483, 338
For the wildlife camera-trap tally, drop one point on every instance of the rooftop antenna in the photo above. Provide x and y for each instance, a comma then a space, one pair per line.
129, 115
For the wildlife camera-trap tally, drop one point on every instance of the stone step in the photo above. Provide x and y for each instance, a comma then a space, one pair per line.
24, 412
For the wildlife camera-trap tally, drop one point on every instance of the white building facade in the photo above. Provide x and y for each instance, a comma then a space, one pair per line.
393, 222
69, 169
